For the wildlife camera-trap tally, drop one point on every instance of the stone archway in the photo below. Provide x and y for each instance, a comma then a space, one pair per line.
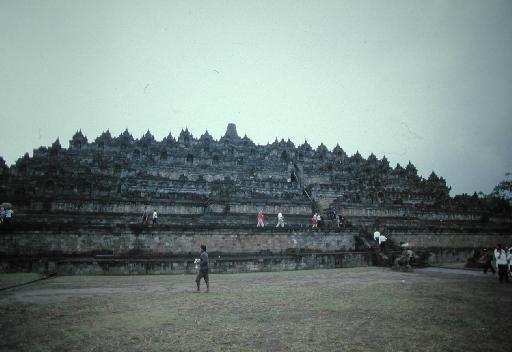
136, 154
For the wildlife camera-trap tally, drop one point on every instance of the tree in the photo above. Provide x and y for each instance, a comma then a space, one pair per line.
504, 188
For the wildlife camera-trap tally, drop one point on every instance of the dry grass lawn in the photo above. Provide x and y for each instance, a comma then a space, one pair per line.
359, 309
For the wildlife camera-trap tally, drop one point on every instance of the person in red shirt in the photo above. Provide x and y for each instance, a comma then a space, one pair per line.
260, 216
314, 220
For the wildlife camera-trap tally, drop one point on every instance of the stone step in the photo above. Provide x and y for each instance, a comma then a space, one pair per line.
325, 203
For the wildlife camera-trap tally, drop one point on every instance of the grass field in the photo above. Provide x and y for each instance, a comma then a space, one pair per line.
359, 309
15, 279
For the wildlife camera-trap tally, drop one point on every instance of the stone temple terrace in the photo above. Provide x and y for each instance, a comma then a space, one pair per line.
79, 209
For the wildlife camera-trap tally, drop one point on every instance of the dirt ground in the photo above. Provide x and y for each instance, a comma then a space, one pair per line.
358, 309
8, 280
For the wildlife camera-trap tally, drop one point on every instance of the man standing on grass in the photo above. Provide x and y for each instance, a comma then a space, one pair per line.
203, 269
8, 216
501, 256
510, 261
486, 258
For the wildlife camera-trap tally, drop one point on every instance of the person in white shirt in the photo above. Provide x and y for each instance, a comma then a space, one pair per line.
376, 235
501, 257
8, 216
382, 242
155, 217
280, 220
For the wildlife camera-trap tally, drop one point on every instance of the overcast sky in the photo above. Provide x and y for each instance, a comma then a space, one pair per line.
426, 81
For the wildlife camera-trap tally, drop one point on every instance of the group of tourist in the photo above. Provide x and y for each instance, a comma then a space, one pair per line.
145, 217
381, 239
503, 259
316, 220
261, 219
6, 215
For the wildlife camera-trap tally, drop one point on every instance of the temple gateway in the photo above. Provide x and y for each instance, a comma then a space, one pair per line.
79, 209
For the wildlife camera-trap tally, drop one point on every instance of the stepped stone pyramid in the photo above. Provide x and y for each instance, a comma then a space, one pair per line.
65, 199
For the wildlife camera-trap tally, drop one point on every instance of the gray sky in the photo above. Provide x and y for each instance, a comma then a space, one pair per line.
426, 81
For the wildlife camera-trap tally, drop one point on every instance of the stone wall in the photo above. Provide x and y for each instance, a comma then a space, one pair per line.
439, 256
175, 265
137, 250
453, 241
403, 211
126, 241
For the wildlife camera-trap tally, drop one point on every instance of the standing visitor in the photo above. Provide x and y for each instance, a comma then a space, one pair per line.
333, 213
203, 269
8, 216
155, 217
376, 235
260, 216
486, 258
501, 256
280, 220
382, 242
314, 220
145, 216
510, 261
342, 221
